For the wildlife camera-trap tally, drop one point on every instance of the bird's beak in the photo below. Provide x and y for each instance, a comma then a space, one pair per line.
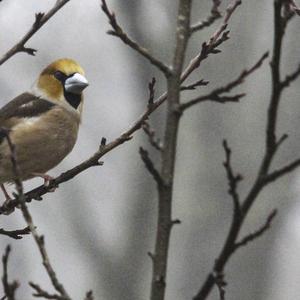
76, 83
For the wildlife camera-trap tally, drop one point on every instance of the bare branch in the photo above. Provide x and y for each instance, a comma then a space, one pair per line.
220, 283
8, 287
216, 95
151, 86
40, 293
194, 85
258, 233
230, 9
214, 15
215, 41
15, 234
165, 192
150, 132
281, 172
89, 296
40, 20
233, 180
150, 167
263, 178
119, 32
290, 78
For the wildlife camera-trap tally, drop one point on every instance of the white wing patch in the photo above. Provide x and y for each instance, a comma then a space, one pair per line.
26, 122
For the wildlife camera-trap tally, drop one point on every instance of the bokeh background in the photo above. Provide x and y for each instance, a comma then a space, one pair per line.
100, 226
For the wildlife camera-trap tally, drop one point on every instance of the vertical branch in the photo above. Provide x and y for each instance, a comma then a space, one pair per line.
271, 139
164, 222
263, 178
8, 287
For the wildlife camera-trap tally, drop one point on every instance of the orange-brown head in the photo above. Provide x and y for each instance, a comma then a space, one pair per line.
63, 81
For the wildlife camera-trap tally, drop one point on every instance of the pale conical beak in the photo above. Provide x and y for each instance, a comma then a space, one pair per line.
76, 83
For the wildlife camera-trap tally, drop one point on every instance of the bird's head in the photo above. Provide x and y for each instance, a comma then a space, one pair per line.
62, 81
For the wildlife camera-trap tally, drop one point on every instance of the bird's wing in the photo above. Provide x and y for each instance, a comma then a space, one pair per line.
25, 105
22, 108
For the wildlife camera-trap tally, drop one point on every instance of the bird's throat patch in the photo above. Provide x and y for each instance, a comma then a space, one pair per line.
73, 99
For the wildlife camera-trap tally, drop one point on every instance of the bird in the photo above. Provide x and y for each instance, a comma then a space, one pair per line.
42, 123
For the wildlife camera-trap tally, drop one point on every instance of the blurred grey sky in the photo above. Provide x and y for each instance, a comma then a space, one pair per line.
100, 226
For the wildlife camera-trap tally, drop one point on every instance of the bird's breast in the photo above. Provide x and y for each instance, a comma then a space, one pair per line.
41, 143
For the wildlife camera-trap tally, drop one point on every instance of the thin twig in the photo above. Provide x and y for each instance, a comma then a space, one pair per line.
119, 32
194, 85
40, 293
233, 179
274, 175
150, 132
210, 47
151, 86
89, 295
40, 20
150, 167
291, 77
220, 283
259, 232
15, 234
215, 14
8, 287
216, 95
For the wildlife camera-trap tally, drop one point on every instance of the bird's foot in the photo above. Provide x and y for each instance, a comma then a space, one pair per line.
47, 179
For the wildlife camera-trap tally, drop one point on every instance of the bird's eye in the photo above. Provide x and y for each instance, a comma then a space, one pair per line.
60, 76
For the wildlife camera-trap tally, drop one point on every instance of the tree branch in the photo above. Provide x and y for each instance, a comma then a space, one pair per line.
290, 78
262, 178
216, 95
119, 32
214, 15
165, 192
233, 180
8, 287
150, 167
274, 175
15, 234
150, 132
214, 42
40, 20
258, 233
40, 293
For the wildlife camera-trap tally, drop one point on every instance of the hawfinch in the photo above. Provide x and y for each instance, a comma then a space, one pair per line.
42, 123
